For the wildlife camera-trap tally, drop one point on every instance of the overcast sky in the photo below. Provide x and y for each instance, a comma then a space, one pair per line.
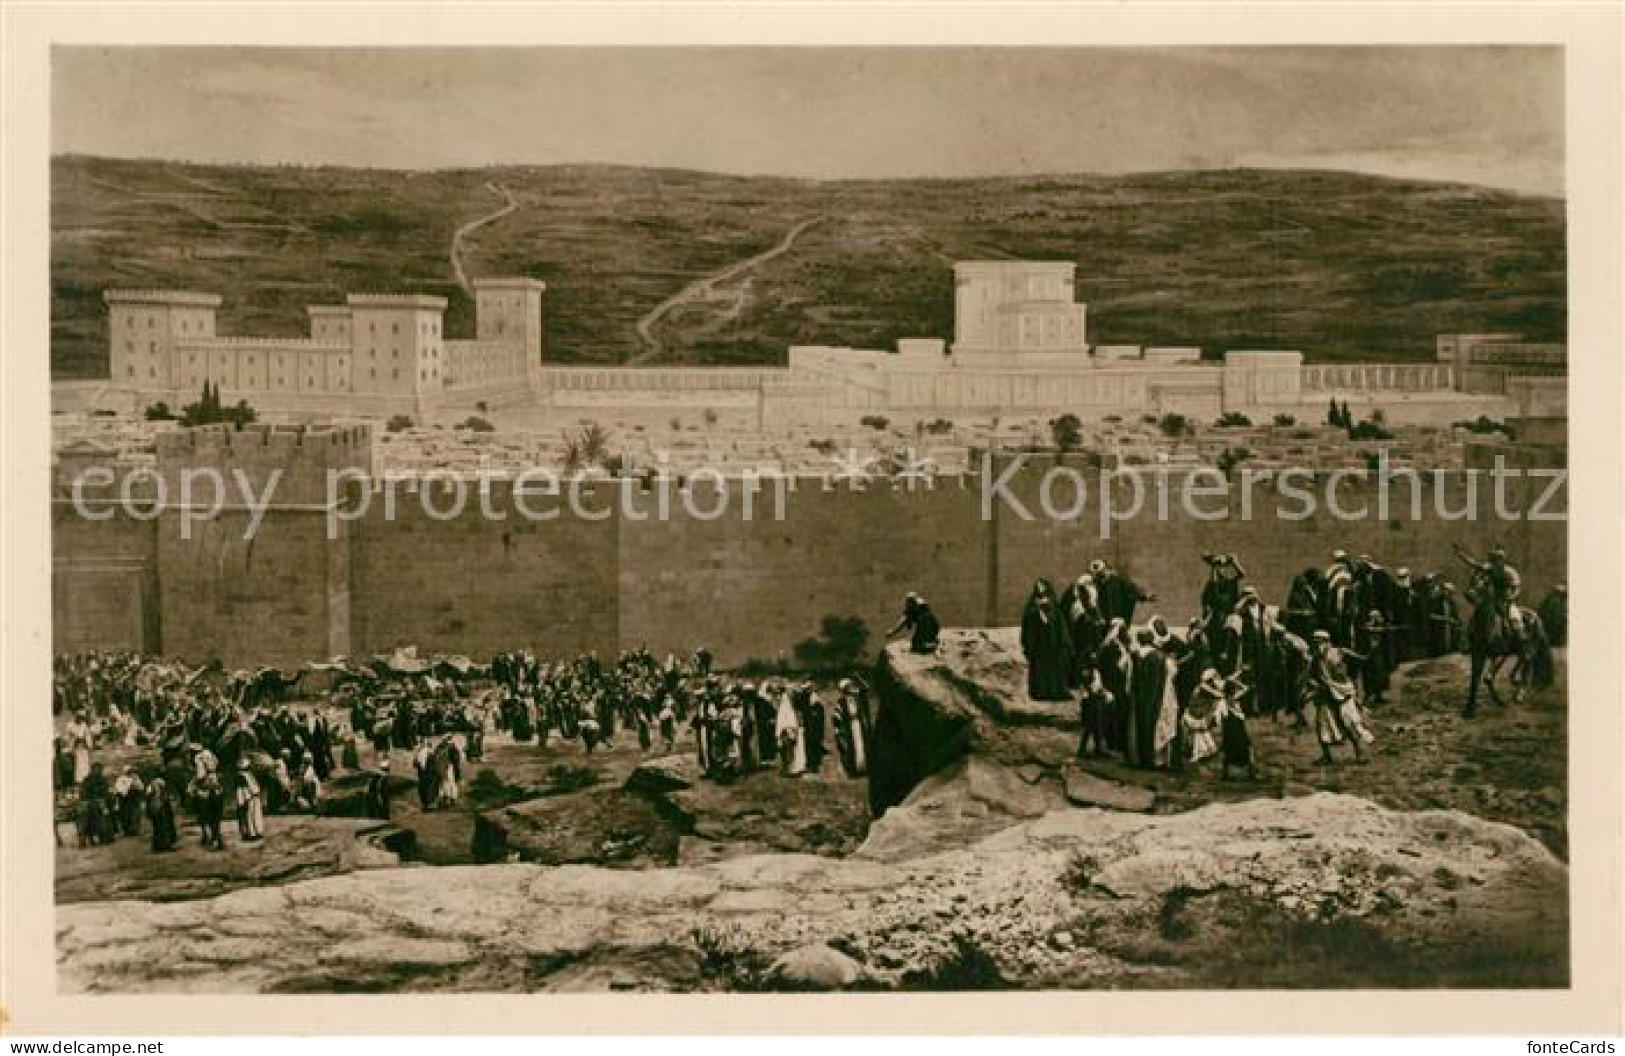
1480, 115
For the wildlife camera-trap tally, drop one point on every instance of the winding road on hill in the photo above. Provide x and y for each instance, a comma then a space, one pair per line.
653, 346
472, 226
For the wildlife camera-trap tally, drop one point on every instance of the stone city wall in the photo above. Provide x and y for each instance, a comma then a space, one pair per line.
748, 589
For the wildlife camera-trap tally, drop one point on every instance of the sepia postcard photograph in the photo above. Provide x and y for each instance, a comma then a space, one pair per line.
781, 516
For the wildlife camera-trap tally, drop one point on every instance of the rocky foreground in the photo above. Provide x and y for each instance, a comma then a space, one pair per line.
1325, 890
984, 873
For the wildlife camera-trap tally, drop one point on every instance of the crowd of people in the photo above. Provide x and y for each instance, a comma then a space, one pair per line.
205, 740
1158, 698
1155, 697
738, 726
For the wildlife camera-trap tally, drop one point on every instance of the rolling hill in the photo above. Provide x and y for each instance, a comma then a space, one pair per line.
1339, 265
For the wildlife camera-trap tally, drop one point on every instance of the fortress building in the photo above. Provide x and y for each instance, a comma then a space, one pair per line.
377, 354
1020, 347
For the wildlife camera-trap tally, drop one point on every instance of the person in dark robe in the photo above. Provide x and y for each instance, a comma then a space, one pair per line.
700, 722
813, 728
423, 770
379, 792
592, 733
128, 795
63, 771
319, 734
1554, 615
404, 733
1223, 587
1080, 607
1246, 633
1418, 646
920, 622
1119, 595
161, 815
1114, 664
749, 743
95, 808
1399, 610
767, 737
1191, 657
1445, 628
1235, 742
350, 751
1370, 645
1047, 644
209, 800
852, 728
1148, 676
645, 724
927, 630
383, 724
1094, 715
523, 720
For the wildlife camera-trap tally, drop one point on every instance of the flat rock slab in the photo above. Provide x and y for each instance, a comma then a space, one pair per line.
1084, 789
1261, 894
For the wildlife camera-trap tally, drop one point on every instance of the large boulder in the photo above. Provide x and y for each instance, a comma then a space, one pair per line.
599, 826
1084, 789
964, 802
814, 967
968, 698
669, 773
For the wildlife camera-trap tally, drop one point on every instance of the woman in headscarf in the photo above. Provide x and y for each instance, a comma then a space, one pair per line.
1047, 643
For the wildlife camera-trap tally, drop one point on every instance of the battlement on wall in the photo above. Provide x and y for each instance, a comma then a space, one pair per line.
183, 298
311, 344
396, 300
303, 456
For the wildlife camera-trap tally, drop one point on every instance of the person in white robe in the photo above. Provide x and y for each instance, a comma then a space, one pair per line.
250, 807
787, 728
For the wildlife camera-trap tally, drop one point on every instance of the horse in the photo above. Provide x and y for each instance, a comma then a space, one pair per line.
1492, 642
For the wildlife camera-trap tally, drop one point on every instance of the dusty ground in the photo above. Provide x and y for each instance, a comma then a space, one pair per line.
1508, 765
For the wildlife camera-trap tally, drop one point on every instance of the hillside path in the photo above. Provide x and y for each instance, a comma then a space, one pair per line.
652, 345
471, 227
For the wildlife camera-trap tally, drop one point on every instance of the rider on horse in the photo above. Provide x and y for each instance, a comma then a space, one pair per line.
1503, 583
